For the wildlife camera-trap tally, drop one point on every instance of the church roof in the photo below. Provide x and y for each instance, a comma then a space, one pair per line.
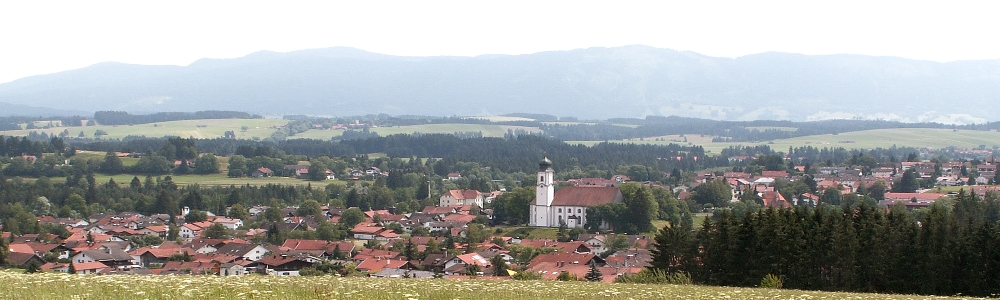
586, 196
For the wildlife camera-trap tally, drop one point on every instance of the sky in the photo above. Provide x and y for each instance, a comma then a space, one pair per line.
41, 37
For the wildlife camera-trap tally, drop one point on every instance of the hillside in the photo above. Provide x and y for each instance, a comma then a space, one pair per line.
594, 83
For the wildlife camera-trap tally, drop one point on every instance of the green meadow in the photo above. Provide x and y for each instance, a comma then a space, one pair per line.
64, 286
204, 129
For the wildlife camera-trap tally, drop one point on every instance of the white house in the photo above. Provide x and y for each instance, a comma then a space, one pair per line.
462, 197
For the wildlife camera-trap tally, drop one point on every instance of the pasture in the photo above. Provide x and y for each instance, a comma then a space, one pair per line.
64, 286
205, 129
866, 139
487, 130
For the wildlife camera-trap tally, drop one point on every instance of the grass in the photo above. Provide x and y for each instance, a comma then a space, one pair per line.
487, 130
866, 139
65, 286
501, 118
763, 128
212, 128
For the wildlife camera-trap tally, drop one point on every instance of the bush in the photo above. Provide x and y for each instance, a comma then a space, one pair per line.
655, 276
771, 282
526, 275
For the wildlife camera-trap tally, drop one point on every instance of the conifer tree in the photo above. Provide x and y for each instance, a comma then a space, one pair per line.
594, 274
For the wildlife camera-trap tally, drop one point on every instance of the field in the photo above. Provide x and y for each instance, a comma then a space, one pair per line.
487, 130
867, 139
63, 286
211, 180
213, 128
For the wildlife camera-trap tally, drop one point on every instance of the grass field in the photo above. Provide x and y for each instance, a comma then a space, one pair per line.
867, 139
212, 128
487, 130
64, 286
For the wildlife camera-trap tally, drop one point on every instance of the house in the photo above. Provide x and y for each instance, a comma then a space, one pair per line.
298, 171
111, 257
231, 224
460, 263
232, 269
156, 256
402, 273
320, 248
454, 176
81, 268
376, 264
262, 172
157, 230
192, 267
569, 204
193, 230
23, 260
283, 265
366, 231
462, 197
244, 251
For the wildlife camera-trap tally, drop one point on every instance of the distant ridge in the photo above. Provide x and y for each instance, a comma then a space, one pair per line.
593, 83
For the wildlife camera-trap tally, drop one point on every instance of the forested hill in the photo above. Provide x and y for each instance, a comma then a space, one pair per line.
594, 83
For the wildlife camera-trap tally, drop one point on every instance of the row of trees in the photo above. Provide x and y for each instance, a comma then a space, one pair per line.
946, 249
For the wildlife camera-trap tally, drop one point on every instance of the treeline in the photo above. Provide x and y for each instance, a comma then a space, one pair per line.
946, 249
519, 154
124, 118
18, 146
14, 122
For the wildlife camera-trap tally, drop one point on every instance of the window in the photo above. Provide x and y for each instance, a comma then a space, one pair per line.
560, 210
541, 178
578, 210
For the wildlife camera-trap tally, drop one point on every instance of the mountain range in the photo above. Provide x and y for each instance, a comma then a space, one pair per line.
592, 83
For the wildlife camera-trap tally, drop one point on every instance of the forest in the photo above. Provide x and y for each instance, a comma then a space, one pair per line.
949, 248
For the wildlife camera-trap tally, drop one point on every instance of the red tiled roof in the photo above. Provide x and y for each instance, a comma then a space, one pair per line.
375, 264
586, 196
464, 194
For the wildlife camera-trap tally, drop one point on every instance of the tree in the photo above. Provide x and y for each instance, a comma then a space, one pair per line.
237, 166
317, 170
309, 208
594, 274
499, 266
908, 184
563, 234
716, 192
112, 164
206, 164
3, 251
352, 216
195, 216
238, 211
216, 231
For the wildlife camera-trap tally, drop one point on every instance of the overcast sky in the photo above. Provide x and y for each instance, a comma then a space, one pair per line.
39, 37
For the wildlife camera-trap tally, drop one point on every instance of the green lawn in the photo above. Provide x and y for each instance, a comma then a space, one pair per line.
211, 128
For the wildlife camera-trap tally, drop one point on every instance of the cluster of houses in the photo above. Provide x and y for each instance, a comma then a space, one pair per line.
849, 181
100, 245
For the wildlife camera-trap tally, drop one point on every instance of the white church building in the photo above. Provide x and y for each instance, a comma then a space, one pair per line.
568, 204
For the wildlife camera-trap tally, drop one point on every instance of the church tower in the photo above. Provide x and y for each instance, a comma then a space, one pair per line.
544, 192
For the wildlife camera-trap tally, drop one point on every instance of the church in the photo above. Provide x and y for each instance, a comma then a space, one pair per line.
568, 204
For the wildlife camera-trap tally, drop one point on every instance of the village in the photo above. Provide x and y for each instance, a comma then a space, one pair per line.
449, 240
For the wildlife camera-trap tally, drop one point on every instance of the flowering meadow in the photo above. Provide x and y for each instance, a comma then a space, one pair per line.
65, 286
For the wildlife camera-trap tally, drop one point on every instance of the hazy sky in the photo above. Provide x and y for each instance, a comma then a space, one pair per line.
39, 37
